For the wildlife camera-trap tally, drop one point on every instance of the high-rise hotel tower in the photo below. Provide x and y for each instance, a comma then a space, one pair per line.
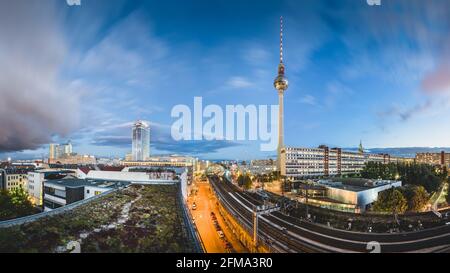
281, 84
140, 141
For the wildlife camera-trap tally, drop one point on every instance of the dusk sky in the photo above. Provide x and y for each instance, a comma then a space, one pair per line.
380, 74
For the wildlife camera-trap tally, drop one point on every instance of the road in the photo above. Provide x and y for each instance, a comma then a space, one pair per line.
205, 202
288, 234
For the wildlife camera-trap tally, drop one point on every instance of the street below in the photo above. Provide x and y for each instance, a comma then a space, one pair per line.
205, 203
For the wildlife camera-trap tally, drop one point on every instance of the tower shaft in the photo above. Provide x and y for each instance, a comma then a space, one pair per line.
280, 127
281, 85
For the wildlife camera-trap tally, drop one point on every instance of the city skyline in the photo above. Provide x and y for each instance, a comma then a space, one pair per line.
227, 127
350, 78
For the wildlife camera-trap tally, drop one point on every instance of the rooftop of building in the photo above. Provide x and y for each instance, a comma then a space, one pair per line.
154, 224
12, 171
76, 183
355, 184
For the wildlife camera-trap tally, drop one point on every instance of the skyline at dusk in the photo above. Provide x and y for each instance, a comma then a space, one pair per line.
376, 74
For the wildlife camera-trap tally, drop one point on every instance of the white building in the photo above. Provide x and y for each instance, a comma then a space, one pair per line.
299, 163
36, 181
359, 195
61, 192
134, 177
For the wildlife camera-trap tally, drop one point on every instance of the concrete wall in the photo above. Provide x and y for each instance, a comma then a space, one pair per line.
341, 195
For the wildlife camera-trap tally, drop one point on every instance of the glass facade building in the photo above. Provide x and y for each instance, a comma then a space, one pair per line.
140, 141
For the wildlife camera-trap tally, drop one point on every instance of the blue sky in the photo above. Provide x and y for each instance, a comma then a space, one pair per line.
357, 72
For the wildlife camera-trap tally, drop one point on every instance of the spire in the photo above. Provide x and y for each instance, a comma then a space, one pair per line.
281, 65
360, 149
281, 39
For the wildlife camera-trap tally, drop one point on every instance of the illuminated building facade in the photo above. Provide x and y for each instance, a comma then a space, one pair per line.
140, 141
441, 158
298, 163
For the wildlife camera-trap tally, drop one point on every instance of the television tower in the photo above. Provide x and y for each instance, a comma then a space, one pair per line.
281, 84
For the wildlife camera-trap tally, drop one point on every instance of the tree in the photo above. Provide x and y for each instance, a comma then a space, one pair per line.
448, 196
14, 204
244, 181
392, 201
417, 197
425, 175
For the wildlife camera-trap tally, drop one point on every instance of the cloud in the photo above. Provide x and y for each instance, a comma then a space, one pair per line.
160, 139
194, 147
34, 105
438, 80
256, 55
335, 91
405, 114
239, 83
398, 45
112, 141
308, 99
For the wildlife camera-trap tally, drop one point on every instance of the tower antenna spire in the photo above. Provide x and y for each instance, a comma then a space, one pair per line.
281, 85
281, 39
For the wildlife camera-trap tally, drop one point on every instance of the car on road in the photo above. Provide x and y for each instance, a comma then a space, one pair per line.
194, 206
221, 235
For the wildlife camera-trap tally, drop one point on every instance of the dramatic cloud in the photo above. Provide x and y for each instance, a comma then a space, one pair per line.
33, 105
112, 141
160, 139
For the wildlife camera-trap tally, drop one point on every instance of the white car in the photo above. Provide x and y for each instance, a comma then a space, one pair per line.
221, 235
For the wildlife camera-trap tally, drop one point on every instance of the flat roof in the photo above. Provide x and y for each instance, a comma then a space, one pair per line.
355, 184
75, 183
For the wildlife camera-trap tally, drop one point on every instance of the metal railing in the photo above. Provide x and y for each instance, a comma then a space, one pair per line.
192, 229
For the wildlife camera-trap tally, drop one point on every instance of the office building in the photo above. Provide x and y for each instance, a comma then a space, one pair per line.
140, 141
57, 151
259, 167
36, 181
442, 158
61, 192
299, 163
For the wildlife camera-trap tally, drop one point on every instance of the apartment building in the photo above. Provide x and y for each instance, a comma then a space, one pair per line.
298, 163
